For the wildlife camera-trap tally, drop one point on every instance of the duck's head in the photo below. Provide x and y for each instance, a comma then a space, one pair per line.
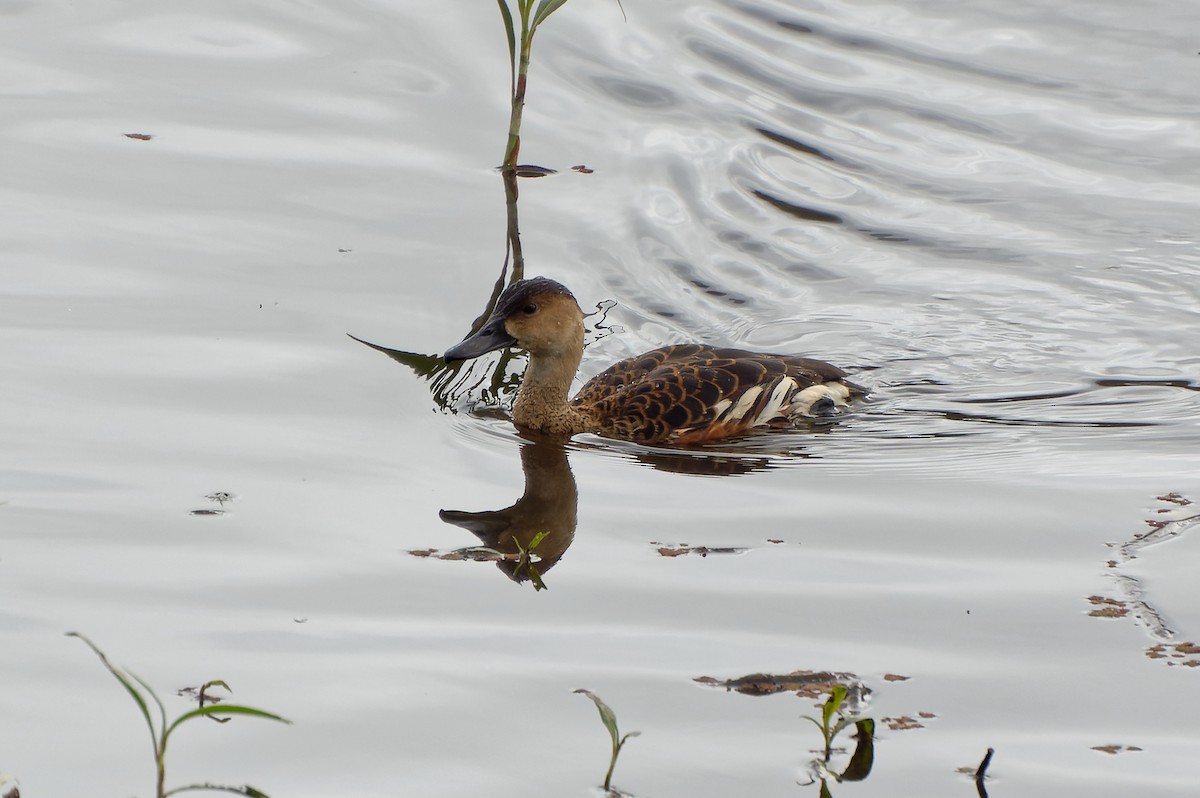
538, 315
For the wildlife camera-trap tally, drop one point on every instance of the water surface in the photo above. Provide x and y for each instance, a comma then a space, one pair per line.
988, 213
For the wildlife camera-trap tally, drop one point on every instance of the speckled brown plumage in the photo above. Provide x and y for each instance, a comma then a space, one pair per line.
676, 393
682, 394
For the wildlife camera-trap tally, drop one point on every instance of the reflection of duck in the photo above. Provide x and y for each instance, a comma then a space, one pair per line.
678, 394
547, 508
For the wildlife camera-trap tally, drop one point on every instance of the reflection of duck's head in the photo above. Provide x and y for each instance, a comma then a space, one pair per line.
545, 513
678, 394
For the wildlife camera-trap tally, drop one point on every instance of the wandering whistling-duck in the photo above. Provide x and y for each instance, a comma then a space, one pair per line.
684, 394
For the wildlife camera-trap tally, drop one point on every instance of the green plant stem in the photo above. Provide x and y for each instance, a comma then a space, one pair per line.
509, 176
236, 790
612, 764
518, 96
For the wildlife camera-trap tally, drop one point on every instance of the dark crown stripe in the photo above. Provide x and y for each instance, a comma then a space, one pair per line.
517, 295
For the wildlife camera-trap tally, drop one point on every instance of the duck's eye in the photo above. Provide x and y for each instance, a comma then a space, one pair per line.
529, 309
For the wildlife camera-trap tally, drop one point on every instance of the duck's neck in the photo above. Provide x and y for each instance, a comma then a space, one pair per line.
543, 401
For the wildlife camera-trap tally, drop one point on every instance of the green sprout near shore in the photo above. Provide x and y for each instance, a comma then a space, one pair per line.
609, 719
519, 49
160, 733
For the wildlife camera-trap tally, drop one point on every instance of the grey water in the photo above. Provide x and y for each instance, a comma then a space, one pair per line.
986, 211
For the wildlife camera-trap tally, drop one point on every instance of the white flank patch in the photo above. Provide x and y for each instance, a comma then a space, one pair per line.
743, 405
777, 405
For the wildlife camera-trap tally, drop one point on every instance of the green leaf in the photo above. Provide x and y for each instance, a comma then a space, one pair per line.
607, 716
162, 711
814, 722
864, 753
836, 697
239, 789
128, 685
535, 577
545, 9
512, 44
224, 709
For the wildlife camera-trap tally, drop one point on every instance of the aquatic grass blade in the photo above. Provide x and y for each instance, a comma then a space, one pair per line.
244, 789
162, 711
545, 9
814, 722
224, 709
607, 716
512, 44
160, 735
129, 688
609, 719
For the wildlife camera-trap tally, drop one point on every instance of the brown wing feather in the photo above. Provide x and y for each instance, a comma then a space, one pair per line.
625, 372
685, 389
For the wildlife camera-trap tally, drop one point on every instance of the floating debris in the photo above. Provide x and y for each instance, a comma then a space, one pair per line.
1185, 654
1107, 607
1169, 523
220, 498
475, 553
703, 551
905, 722
1115, 749
1174, 498
805, 684
199, 694
530, 170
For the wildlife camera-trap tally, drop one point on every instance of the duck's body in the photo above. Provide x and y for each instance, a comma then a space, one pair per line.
682, 394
